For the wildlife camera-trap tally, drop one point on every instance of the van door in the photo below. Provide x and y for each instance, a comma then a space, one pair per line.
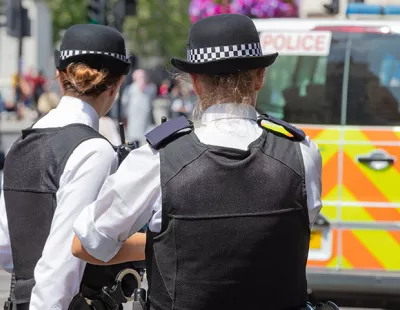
370, 233
306, 91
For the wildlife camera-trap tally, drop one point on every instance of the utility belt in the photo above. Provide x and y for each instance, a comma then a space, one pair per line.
112, 298
140, 299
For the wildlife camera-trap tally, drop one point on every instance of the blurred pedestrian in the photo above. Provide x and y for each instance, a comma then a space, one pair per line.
39, 86
137, 100
182, 105
229, 204
54, 169
2, 103
164, 88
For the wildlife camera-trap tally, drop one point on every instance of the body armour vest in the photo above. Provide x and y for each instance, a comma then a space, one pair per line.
235, 228
32, 173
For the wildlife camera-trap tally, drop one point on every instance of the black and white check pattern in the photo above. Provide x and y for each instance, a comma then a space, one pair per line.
207, 54
69, 53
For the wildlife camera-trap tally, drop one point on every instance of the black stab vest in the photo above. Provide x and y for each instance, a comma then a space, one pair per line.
32, 172
235, 228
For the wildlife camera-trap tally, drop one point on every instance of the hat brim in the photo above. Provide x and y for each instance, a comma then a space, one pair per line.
225, 66
95, 61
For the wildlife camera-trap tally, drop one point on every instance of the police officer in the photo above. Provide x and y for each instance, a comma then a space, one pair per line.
229, 204
56, 168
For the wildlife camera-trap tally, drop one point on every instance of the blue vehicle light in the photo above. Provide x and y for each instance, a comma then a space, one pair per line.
391, 10
360, 8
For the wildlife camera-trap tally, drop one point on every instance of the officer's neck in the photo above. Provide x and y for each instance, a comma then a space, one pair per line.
99, 104
251, 102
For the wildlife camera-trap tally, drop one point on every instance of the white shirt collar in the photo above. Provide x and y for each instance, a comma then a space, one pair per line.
83, 111
229, 111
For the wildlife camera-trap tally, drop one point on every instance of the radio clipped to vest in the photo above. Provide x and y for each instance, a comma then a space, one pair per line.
125, 148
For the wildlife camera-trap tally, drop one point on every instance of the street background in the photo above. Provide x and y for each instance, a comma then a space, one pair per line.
298, 86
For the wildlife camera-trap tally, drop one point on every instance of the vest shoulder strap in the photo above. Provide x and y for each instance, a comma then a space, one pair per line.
73, 135
164, 133
297, 133
68, 139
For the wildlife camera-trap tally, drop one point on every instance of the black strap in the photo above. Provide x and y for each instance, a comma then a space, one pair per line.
159, 135
297, 133
8, 304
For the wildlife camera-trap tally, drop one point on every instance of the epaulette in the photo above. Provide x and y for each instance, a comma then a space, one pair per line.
297, 133
166, 130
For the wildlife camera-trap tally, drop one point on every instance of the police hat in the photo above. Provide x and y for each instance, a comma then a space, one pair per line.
225, 43
99, 47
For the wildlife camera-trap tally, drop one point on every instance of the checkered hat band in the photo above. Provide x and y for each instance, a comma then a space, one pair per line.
69, 53
224, 52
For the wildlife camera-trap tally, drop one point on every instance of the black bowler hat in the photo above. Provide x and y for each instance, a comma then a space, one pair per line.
99, 47
225, 43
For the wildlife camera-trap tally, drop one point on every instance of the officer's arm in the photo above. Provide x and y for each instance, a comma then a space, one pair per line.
124, 206
132, 250
313, 177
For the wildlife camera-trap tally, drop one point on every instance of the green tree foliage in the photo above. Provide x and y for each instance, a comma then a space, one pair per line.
160, 28
66, 13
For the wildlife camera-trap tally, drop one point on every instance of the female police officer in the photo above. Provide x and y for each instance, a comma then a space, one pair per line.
57, 167
230, 204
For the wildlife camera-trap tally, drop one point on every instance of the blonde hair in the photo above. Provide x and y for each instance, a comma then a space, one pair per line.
224, 88
81, 80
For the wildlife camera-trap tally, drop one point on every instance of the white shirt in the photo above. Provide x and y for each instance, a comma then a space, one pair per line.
132, 196
58, 273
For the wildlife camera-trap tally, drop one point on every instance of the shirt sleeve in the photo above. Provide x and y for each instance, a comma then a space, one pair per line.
85, 172
5, 246
125, 204
313, 177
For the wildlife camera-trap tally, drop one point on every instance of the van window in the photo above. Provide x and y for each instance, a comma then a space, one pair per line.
306, 89
374, 80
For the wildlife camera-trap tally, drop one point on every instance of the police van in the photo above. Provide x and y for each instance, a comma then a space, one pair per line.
339, 80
